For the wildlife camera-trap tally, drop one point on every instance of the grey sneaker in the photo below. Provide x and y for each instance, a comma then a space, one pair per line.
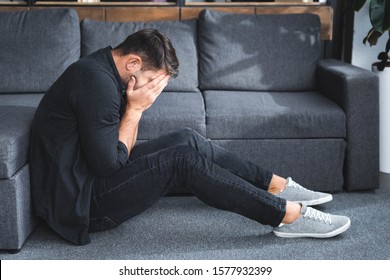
314, 223
296, 193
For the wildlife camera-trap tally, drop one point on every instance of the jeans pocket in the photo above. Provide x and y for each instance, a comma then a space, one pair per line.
100, 224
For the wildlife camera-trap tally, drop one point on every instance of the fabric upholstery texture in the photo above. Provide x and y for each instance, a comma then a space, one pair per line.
16, 215
15, 128
45, 43
96, 35
258, 52
315, 163
25, 99
172, 111
262, 115
360, 101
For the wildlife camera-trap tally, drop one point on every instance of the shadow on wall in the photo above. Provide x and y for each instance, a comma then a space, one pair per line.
259, 52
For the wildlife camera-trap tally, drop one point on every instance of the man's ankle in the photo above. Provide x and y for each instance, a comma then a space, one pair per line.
293, 212
277, 185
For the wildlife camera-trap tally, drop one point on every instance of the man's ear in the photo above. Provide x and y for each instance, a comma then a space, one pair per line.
133, 63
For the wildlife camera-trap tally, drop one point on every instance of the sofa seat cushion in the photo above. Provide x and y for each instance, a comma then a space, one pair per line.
172, 111
272, 115
258, 52
98, 34
15, 128
28, 100
319, 165
36, 47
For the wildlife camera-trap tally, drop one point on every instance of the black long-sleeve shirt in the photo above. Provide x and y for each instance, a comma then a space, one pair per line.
74, 139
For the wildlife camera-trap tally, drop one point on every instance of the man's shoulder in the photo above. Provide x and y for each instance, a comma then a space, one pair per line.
93, 72
88, 64
96, 62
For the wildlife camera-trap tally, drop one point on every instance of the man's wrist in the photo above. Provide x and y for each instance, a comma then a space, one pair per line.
133, 112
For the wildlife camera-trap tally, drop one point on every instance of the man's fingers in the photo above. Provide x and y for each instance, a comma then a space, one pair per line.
155, 82
143, 97
161, 85
155, 88
166, 80
131, 83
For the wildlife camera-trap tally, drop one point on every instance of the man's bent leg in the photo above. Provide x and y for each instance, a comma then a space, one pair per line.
249, 171
140, 184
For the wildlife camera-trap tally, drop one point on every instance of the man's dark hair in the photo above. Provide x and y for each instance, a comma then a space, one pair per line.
154, 48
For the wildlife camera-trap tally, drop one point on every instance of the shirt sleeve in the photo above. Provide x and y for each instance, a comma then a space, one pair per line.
97, 109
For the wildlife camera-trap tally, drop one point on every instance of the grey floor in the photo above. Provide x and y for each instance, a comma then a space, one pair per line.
185, 228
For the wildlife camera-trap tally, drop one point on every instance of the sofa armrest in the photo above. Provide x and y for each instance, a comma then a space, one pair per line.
356, 91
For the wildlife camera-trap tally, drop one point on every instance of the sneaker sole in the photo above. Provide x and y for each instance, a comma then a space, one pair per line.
317, 201
315, 235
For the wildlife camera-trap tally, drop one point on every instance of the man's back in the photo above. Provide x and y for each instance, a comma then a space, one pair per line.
77, 117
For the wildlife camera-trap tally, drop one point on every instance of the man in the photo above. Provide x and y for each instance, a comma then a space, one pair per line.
87, 174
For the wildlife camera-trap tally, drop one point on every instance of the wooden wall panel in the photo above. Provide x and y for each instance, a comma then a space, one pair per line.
96, 13
193, 12
124, 14
12, 9
148, 13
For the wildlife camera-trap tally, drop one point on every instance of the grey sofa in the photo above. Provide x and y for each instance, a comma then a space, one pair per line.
255, 84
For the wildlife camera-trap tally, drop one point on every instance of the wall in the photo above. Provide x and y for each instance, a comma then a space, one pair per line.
364, 55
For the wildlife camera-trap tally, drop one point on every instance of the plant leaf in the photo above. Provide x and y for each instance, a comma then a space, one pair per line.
381, 65
382, 56
380, 14
386, 18
373, 36
358, 4
388, 44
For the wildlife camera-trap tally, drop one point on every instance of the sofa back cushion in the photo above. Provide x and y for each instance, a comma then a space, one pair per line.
97, 34
36, 47
258, 52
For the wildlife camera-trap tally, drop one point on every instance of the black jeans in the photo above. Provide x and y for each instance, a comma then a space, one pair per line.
217, 177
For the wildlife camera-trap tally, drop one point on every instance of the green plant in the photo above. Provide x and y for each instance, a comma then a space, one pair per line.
379, 11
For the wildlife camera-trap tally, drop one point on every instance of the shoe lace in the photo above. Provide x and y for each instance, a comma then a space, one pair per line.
298, 186
311, 213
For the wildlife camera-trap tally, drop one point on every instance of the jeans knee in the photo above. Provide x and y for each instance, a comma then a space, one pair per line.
187, 132
189, 135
